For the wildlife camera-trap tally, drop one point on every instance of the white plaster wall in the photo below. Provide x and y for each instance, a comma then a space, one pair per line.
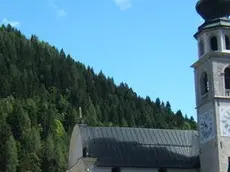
75, 150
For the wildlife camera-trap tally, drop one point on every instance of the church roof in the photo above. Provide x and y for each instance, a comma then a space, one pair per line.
141, 147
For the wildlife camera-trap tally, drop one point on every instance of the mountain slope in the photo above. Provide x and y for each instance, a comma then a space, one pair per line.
42, 90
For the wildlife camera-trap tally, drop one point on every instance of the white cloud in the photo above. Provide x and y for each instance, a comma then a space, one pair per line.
11, 22
59, 12
123, 4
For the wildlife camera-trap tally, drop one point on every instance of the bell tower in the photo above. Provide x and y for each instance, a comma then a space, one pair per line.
212, 84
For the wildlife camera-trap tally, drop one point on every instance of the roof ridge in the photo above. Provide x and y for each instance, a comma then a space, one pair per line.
139, 128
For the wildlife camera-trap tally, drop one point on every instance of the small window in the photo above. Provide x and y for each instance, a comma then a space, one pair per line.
214, 44
204, 83
162, 170
85, 152
201, 48
227, 43
116, 169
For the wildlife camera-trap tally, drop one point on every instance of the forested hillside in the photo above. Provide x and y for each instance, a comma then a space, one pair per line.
42, 90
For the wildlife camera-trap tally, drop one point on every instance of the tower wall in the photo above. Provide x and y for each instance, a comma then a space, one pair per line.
214, 104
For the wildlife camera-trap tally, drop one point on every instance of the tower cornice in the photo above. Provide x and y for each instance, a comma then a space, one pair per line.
220, 23
211, 54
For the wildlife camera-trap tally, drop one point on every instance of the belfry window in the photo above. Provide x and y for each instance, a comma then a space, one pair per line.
227, 43
227, 81
214, 44
204, 83
201, 48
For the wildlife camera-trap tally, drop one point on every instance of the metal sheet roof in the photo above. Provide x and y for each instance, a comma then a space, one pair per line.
141, 147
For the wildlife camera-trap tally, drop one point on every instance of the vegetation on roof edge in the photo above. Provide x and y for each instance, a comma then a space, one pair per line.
41, 92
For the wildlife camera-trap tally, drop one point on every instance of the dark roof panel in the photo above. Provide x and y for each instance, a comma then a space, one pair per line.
141, 147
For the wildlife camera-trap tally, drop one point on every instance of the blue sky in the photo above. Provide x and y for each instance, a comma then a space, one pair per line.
148, 44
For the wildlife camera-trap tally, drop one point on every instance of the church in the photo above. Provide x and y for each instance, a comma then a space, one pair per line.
123, 149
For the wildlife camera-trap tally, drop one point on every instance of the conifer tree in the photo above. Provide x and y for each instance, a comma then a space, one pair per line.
11, 155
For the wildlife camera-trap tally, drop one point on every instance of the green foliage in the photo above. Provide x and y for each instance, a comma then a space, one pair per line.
11, 155
59, 129
41, 92
30, 163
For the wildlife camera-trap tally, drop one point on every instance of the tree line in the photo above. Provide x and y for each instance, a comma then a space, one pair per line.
41, 91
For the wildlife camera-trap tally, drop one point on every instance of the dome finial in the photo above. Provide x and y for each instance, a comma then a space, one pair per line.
212, 9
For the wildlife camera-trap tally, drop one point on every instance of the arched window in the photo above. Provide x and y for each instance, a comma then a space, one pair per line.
201, 48
227, 43
214, 44
204, 83
227, 78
